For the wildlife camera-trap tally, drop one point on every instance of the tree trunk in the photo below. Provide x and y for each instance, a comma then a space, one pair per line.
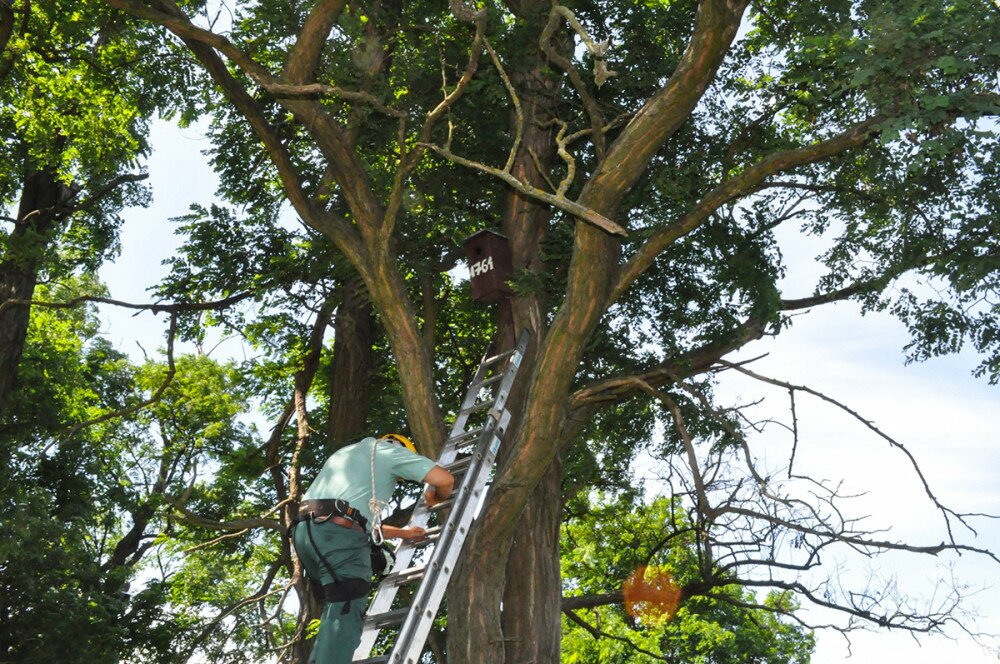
41, 199
353, 366
529, 627
532, 596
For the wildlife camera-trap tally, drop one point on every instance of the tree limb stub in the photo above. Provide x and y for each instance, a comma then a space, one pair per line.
586, 214
599, 51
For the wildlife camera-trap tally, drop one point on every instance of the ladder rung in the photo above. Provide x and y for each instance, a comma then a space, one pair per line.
486, 383
464, 436
498, 357
482, 405
459, 465
382, 659
406, 576
387, 619
445, 504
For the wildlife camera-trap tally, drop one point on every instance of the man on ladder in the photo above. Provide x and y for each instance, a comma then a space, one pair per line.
331, 534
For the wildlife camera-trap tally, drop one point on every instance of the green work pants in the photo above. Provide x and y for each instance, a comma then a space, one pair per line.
348, 553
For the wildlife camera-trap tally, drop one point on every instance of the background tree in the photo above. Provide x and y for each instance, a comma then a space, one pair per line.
640, 209
76, 91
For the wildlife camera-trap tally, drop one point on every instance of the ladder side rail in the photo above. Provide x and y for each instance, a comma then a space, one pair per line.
386, 593
413, 634
464, 509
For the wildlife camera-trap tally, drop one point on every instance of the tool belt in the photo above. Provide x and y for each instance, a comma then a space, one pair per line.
333, 509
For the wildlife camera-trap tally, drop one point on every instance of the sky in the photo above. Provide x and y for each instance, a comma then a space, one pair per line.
947, 418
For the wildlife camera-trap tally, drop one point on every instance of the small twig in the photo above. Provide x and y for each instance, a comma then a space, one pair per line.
538, 167
212, 542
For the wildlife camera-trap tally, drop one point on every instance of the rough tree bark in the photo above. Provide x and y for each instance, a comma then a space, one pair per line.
593, 270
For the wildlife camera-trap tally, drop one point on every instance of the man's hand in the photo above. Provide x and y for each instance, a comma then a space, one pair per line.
442, 483
432, 498
414, 534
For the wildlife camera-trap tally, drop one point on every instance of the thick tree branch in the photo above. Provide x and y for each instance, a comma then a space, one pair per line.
715, 27
577, 602
618, 389
192, 519
305, 55
204, 44
740, 185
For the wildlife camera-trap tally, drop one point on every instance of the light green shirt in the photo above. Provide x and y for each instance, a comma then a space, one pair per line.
347, 474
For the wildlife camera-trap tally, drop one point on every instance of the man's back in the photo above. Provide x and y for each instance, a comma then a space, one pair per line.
347, 474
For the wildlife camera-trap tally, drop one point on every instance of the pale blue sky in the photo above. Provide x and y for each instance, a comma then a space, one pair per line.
948, 419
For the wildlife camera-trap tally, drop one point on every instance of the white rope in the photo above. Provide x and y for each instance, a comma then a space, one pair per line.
374, 506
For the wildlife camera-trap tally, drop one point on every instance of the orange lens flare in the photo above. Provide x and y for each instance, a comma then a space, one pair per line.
651, 594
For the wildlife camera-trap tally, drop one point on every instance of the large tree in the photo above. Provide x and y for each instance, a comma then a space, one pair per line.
641, 202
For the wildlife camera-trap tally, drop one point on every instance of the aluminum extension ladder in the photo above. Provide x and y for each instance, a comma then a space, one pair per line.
469, 453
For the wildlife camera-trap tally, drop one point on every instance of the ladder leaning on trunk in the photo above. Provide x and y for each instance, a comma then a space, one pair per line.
469, 453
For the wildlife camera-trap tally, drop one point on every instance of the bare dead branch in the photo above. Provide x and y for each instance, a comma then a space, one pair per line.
703, 505
572, 207
946, 512
518, 113
593, 110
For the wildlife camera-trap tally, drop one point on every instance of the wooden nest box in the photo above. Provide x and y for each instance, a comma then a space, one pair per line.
490, 265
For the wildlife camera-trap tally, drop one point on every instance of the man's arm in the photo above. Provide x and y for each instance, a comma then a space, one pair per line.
442, 483
412, 534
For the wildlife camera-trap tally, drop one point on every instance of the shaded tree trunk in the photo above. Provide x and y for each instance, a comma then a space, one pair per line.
353, 366
531, 620
42, 197
529, 627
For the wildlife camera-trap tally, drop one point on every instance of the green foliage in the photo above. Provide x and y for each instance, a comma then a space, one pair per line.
62, 499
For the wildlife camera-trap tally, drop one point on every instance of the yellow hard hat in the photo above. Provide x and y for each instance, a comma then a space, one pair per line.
401, 439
